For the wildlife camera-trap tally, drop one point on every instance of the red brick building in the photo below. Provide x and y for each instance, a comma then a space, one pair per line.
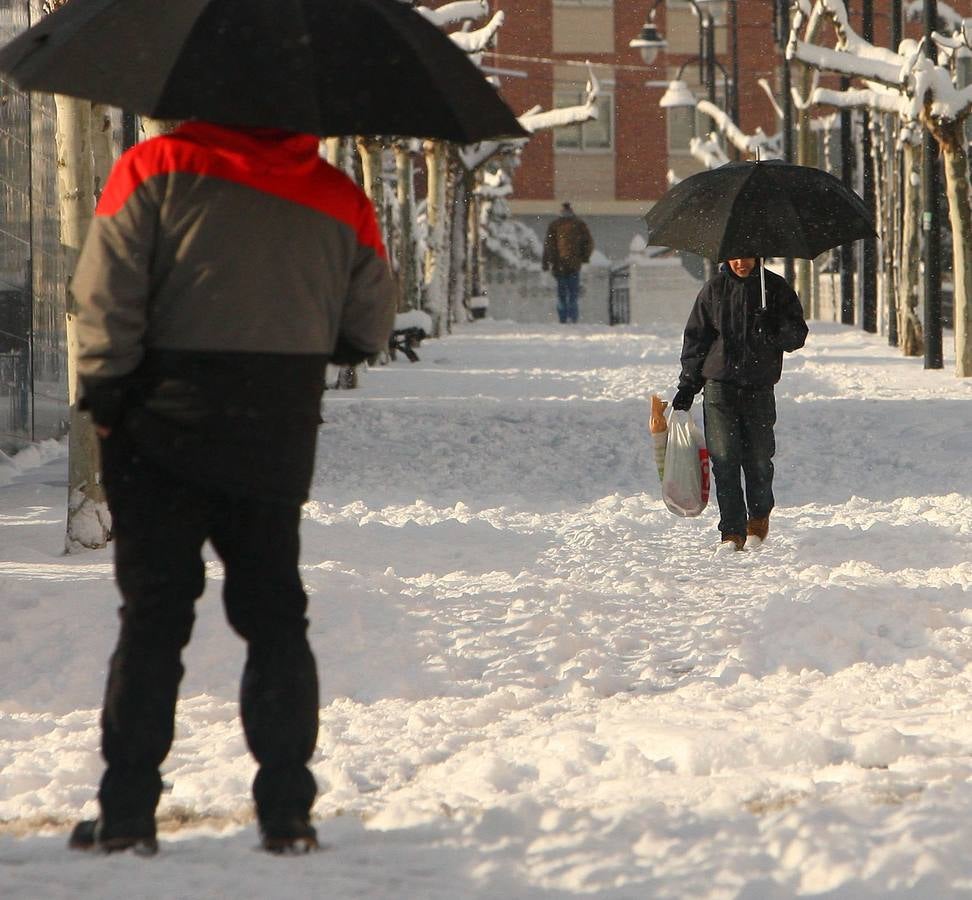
614, 168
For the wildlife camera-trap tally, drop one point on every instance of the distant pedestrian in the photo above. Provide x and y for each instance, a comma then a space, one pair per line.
567, 247
733, 348
225, 268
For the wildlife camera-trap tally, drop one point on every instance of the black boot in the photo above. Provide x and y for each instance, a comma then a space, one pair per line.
288, 837
92, 835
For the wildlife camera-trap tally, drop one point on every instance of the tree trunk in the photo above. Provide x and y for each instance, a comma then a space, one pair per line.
88, 520
910, 337
341, 154
881, 201
892, 229
436, 255
458, 245
101, 146
410, 292
951, 138
474, 272
370, 151
805, 157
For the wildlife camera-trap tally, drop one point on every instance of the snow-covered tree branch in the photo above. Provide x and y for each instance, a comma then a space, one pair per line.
908, 84
450, 13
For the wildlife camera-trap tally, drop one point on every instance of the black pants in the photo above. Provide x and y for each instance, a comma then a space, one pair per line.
739, 435
160, 524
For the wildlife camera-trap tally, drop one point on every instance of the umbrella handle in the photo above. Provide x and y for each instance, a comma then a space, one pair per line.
762, 283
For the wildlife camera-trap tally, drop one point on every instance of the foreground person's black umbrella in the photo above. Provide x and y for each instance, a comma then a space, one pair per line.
758, 209
325, 67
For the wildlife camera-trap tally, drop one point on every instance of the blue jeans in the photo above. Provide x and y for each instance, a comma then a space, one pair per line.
739, 433
568, 288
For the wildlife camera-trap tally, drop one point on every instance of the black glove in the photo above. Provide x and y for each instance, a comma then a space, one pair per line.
346, 354
766, 323
683, 399
105, 398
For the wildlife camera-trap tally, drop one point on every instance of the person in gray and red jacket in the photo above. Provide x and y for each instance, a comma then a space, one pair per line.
224, 269
733, 348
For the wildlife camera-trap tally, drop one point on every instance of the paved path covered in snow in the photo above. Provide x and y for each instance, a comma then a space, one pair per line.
536, 680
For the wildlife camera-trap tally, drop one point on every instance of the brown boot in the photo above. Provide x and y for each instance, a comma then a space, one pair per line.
732, 541
758, 528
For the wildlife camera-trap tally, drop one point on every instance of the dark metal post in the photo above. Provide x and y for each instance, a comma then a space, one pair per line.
710, 51
702, 43
129, 130
869, 245
847, 305
930, 220
734, 62
785, 89
29, 275
896, 213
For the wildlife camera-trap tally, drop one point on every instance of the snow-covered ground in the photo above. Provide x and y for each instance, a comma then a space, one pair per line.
537, 682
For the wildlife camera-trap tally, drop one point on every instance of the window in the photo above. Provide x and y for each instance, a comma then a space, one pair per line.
683, 125
597, 135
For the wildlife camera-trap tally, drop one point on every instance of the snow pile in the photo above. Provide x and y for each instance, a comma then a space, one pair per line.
535, 679
413, 318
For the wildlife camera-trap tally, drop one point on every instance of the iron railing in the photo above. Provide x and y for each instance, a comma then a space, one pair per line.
619, 296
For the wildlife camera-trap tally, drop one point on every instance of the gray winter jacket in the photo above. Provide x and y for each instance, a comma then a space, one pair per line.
224, 268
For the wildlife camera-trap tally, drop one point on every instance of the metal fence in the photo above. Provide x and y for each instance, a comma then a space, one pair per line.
34, 266
619, 296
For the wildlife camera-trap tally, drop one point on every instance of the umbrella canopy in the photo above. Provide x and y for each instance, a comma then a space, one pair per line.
758, 209
325, 67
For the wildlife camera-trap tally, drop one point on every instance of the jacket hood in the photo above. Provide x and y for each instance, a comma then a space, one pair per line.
724, 267
256, 149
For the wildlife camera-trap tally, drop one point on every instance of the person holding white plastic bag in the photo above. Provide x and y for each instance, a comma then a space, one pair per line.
733, 348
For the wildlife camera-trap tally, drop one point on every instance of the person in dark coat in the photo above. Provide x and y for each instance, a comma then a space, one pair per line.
733, 348
568, 245
225, 268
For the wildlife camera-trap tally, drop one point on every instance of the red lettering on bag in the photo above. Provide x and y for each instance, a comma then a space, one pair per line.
704, 463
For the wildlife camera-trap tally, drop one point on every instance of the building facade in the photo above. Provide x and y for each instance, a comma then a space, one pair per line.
614, 168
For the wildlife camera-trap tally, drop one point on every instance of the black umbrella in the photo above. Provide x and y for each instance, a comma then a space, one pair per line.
758, 209
325, 67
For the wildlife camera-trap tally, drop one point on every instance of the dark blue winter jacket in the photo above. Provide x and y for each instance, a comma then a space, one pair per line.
729, 338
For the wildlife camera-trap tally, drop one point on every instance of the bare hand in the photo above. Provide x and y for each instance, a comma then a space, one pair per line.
102, 431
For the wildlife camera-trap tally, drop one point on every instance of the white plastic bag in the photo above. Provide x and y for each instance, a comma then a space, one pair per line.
685, 486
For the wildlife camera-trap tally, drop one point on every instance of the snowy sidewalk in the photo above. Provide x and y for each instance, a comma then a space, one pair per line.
536, 681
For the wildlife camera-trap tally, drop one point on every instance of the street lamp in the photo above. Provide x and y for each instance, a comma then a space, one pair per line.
678, 94
651, 40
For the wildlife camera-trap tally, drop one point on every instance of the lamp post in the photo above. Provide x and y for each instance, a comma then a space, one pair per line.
898, 174
678, 94
930, 219
783, 23
869, 245
650, 41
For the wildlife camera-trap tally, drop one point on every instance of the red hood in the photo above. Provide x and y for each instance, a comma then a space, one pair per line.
256, 149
